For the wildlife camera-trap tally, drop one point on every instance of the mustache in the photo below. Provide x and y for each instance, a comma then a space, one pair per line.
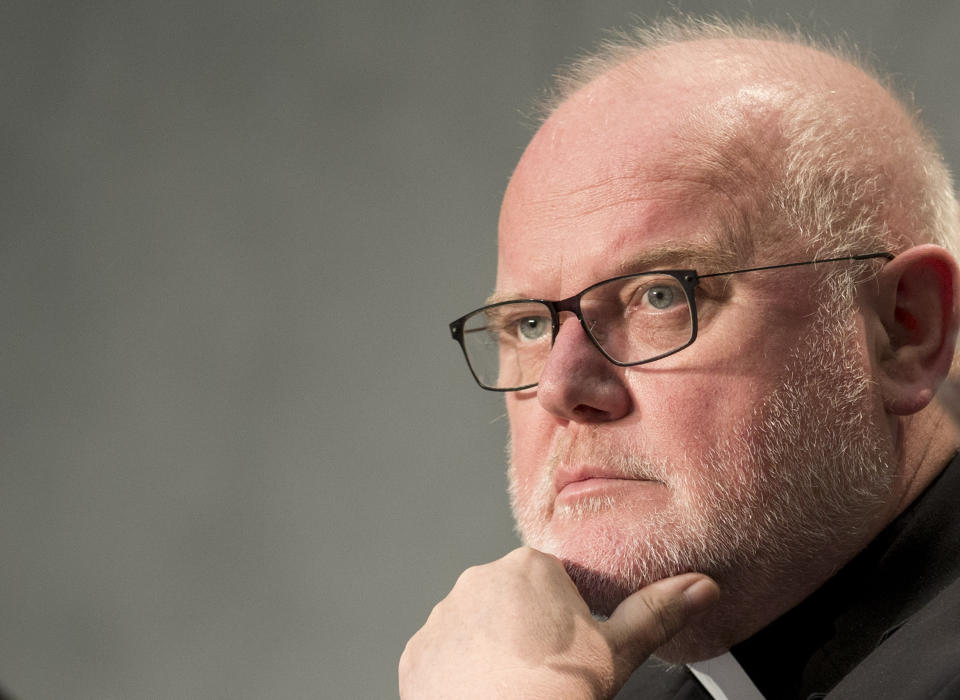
628, 458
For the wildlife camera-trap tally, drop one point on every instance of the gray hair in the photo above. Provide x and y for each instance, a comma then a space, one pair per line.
841, 189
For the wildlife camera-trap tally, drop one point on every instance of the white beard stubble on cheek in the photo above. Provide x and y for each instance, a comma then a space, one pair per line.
806, 471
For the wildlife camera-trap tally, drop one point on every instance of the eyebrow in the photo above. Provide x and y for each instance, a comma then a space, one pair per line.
702, 257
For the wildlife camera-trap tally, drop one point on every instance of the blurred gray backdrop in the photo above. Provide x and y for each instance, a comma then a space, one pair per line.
241, 457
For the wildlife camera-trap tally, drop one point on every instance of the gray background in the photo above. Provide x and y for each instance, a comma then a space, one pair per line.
241, 457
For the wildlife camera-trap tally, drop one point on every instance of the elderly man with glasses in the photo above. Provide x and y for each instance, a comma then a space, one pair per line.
725, 302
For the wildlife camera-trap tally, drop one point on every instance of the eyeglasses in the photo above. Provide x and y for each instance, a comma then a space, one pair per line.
631, 319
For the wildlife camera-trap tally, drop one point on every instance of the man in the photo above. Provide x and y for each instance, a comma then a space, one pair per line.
729, 399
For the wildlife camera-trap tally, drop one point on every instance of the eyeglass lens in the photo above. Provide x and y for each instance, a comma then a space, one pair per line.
631, 320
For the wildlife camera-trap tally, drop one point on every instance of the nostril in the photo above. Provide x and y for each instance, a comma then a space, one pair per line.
589, 414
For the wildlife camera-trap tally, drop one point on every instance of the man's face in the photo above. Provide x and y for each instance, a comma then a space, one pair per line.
746, 455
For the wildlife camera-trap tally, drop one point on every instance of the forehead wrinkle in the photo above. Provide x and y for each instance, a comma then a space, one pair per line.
725, 158
589, 198
717, 245
700, 256
653, 190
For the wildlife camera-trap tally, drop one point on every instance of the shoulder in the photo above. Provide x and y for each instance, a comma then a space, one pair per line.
918, 659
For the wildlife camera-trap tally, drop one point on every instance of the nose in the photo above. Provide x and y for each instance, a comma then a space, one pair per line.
578, 383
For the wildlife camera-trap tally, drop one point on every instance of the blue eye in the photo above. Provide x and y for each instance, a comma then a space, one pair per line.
660, 297
533, 327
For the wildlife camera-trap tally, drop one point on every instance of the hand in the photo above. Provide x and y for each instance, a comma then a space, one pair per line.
517, 627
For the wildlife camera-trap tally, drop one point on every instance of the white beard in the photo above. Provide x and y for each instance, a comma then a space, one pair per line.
792, 489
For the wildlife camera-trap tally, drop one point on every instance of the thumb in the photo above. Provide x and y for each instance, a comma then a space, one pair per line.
649, 618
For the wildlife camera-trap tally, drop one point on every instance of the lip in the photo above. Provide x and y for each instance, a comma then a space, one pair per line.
586, 478
576, 487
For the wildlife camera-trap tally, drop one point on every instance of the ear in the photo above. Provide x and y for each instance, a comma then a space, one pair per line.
919, 309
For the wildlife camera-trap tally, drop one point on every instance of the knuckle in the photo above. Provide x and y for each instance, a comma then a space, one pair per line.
468, 575
522, 554
406, 666
529, 557
403, 666
435, 612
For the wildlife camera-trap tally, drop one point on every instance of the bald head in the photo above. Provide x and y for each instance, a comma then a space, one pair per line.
810, 150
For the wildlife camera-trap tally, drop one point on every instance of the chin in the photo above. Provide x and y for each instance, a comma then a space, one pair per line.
602, 591
705, 638
608, 564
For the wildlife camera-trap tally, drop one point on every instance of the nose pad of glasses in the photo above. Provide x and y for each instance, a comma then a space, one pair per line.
566, 315
578, 345
593, 330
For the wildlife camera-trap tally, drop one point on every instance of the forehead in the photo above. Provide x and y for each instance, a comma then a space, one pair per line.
634, 162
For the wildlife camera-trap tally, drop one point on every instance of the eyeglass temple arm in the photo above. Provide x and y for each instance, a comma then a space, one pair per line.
863, 256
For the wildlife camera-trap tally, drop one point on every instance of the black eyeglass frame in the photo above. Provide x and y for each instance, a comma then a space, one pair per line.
688, 279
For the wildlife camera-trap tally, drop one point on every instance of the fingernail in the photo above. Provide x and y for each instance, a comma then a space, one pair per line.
702, 595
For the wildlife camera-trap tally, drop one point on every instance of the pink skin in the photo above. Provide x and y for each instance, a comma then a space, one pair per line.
598, 186
669, 403
560, 232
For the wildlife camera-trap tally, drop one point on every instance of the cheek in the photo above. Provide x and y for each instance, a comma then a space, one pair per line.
531, 433
686, 417
697, 398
